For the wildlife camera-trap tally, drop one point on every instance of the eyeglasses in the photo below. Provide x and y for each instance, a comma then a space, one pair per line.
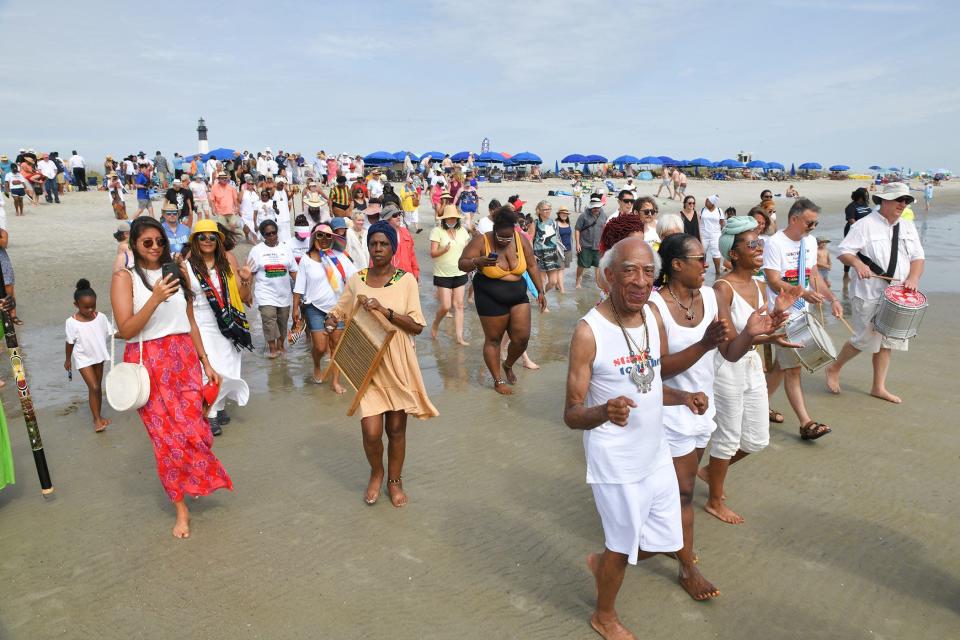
502, 239
689, 202
648, 212
207, 237
904, 199
269, 233
323, 236
627, 201
169, 213
148, 243
812, 225
754, 244
700, 258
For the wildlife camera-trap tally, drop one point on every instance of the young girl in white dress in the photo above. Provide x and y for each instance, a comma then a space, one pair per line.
86, 347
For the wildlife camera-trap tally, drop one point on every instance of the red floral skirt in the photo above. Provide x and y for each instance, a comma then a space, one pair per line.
174, 418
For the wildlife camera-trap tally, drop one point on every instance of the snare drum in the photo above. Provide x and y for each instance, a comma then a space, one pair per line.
817, 350
899, 312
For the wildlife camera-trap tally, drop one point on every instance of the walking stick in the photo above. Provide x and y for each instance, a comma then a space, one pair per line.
23, 390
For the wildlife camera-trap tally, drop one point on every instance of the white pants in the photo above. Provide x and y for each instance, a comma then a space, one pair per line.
641, 515
411, 218
711, 245
740, 396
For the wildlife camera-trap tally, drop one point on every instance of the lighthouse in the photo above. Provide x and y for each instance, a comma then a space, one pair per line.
202, 146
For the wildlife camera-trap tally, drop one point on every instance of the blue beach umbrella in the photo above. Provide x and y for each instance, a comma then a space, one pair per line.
700, 162
874, 167
626, 159
379, 157
575, 158
525, 157
595, 159
220, 154
654, 160
460, 156
490, 156
730, 163
839, 167
433, 155
556, 167
775, 165
808, 166
400, 155
666, 160
756, 164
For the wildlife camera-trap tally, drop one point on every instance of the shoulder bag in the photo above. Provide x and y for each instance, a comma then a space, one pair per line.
127, 384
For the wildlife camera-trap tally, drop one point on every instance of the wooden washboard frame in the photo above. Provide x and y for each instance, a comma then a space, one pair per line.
361, 349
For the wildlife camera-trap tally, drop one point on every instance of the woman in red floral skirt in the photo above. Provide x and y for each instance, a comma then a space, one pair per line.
152, 308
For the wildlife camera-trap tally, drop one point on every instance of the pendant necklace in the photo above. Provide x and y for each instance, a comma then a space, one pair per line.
687, 311
641, 373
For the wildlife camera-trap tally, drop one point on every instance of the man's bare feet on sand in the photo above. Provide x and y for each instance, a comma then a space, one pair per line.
883, 394
833, 378
508, 373
721, 511
696, 585
397, 497
608, 627
338, 388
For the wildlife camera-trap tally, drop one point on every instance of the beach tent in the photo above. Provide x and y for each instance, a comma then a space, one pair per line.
575, 158
808, 166
526, 157
400, 155
379, 158
595, 159
220, 154
460, 156
645, 175
654, 160
840, 167
626, 159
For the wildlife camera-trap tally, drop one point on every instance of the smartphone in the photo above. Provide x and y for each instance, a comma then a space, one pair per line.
492, 255
170, 269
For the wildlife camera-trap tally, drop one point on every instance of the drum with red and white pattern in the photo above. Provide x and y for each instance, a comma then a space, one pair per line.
899, 312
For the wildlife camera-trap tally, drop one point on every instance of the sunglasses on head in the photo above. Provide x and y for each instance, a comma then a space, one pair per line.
148, 243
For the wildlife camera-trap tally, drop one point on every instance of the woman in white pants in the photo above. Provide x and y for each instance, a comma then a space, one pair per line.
740, 389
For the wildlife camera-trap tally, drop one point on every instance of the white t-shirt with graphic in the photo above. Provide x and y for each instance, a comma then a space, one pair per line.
271, 268
781, 254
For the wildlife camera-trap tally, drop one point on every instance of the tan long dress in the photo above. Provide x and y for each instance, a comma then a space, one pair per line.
397, 384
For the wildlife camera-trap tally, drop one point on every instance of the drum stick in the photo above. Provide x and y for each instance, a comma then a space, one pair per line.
847, 325
887, 278
816, 287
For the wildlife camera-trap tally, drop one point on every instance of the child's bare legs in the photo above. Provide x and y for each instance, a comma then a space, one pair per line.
93, 377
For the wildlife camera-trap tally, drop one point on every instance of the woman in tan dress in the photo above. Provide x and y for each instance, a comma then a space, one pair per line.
396, 389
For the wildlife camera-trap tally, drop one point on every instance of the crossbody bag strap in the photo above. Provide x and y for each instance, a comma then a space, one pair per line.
894, 256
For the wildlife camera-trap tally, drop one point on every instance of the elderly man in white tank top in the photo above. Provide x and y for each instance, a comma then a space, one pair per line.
616, 396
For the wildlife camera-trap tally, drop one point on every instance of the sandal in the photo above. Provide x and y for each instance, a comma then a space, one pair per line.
813, 430
776, 417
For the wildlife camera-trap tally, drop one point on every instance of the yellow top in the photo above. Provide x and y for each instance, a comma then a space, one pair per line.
496, 272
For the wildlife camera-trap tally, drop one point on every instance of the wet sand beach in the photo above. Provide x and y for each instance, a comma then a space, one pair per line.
855, 535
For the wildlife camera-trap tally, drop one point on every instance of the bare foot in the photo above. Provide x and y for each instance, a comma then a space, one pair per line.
502, 388
696, 585
434, 329
181, 529
508, 372
272, 355
337, 388
462, 342
100, 425
612, 629
373, 487
578, 286
530, 364
833, 379
722, 512
2, 384
883, 394
397, 497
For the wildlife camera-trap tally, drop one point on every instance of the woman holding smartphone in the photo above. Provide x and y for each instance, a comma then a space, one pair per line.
150, 305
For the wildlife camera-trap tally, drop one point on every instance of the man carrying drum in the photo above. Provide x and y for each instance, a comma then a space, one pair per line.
790, 259
868, 249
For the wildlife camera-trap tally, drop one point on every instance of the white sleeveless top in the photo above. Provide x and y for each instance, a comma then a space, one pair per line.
169, 318
615, 454
700, 376
740, 309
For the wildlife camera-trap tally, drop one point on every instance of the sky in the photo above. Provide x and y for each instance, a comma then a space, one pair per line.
856, 82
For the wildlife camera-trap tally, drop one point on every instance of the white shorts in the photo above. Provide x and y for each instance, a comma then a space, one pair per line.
866, 337
740, 396
711, 246
411, 217
641, 515
683, 443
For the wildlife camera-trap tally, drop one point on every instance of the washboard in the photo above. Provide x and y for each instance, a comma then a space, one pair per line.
361, 349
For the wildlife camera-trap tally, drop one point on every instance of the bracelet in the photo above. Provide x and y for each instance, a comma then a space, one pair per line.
391, 314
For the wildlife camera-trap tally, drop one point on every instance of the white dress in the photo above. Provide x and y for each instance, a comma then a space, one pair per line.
223, 356
89, 340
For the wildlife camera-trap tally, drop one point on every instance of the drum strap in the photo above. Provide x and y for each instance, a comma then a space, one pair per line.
894, 254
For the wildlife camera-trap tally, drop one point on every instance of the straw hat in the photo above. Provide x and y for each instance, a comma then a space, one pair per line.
445, 194
449, 211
